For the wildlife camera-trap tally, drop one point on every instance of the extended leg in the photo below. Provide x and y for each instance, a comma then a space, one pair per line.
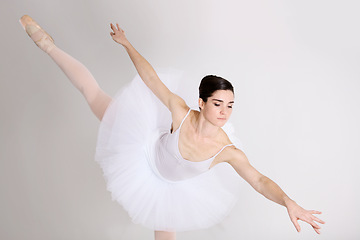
83, 80
162, 235
77, 73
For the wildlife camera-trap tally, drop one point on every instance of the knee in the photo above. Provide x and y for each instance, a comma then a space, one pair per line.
99, 103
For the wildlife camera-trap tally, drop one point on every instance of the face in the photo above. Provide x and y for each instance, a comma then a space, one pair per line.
218, 107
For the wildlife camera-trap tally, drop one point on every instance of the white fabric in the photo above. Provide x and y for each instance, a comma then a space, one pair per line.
133, 132
169, 162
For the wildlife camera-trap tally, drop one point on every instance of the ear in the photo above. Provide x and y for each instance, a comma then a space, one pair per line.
201, 103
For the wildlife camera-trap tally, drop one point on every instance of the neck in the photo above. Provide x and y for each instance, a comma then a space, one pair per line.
205, 129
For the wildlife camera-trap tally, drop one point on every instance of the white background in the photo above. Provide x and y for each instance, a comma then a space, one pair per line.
295, 69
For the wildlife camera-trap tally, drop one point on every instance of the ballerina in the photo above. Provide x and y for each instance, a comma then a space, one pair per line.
161, 177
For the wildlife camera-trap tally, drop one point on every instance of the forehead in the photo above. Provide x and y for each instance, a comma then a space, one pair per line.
226, 95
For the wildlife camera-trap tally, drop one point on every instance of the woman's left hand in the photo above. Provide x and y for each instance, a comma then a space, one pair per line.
118, 35
298, 213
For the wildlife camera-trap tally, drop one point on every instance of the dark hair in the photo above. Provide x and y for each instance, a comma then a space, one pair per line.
211, 83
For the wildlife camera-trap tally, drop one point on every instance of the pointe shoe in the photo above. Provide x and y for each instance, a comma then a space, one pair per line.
41, 38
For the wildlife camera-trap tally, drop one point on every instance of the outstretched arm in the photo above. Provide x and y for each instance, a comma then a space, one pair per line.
147, 73
272, 191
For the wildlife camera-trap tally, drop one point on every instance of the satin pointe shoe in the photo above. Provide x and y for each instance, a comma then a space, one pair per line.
41, 38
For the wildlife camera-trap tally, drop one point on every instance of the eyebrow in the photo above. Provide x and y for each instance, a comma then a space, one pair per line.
219, 100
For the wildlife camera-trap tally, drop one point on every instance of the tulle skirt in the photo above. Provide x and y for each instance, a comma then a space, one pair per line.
125, 147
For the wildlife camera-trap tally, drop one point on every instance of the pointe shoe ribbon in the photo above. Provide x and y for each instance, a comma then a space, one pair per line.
41, 38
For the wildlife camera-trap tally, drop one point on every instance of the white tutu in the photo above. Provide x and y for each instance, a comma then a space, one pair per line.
127, 134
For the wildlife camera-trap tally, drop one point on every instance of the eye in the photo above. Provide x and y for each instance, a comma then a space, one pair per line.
216, 104
229, 106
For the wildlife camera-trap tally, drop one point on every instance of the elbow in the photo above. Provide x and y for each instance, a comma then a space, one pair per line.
261, 183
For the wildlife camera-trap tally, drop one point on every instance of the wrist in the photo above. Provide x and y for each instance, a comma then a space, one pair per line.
288, 202
126, 44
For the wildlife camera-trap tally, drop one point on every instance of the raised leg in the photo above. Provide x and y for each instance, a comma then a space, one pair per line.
77, 73
162, 235
83, 80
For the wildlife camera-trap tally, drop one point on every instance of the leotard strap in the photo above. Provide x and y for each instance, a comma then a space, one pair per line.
184, 118
222, 149
178, 130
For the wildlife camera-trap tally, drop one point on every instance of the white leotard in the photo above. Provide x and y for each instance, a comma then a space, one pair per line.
169, 162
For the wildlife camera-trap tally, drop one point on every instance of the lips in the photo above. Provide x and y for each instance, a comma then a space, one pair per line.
222, 118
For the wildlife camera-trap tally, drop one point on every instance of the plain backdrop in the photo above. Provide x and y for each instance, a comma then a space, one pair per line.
295, 69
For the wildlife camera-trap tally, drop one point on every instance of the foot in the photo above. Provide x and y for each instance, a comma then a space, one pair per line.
41, 38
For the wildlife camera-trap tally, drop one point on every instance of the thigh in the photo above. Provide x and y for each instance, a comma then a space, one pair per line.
100, 103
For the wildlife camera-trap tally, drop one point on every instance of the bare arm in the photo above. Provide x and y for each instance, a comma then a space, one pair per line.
173, 102
272, 191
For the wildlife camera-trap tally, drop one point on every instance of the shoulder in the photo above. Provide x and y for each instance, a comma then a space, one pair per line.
232, 154
178, 112
178, 106
223, 139
239, 162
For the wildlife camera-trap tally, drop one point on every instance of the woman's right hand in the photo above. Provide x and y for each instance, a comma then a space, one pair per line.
118, 35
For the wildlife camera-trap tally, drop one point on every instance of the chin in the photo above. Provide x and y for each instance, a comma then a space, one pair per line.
221, 122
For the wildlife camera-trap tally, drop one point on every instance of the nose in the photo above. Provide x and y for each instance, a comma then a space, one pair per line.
225, 111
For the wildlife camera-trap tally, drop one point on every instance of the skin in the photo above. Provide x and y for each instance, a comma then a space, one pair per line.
201, 134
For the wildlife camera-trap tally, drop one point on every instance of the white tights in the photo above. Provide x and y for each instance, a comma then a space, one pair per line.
161, 235
83, 80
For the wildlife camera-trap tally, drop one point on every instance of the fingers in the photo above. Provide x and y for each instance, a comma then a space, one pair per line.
117, 28
318, 220
317, 230
310, 220
315, 218
313, 224
315, 227
314, 212
112, 27
296, 224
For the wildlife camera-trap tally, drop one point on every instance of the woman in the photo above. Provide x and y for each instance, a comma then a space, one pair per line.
168, 180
